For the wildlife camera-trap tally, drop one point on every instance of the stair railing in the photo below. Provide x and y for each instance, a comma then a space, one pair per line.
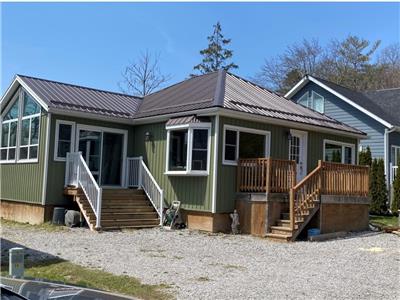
138, 175
79, 175
303, 194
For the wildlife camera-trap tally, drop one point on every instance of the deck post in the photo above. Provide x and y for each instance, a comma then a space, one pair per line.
140, 173
98, 208
161, 206
67, 166
291, 209
268, 181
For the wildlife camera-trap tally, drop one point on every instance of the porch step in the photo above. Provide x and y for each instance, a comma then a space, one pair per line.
286, 223
116, 198
281, 230
109, 228
279, 237
107, 192
129, 222
125, 216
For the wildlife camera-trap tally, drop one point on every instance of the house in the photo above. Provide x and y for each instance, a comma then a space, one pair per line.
377, 113
215, 142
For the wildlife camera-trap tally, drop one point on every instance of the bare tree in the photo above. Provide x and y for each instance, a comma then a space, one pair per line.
389, 66
143, 76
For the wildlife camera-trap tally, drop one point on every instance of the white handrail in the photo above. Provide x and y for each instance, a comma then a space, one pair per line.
139, 176
78, 174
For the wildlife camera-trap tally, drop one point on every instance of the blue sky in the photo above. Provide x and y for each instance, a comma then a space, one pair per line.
89, 44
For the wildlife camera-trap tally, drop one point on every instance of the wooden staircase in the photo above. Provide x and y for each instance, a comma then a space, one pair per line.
304, 203
121, 208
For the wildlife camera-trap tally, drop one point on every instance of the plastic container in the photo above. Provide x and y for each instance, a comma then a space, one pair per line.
313, 232
59, 215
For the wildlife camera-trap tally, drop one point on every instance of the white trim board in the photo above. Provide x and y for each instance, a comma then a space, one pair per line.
308, 78
352, 146
72, 141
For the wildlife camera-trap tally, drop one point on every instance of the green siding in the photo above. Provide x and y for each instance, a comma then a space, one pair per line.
24, 181
194, 192
226, 186
56, 169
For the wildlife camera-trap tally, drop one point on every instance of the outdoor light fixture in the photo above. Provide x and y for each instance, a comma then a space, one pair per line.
147, 136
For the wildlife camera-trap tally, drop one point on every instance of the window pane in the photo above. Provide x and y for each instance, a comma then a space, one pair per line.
13, 134
318, 102
303, 99
178, 150
35, 130
25, 132
4, 134
294, 149
33, 152
200, 139
251, 145
30, 106
64, 132
348, 155
63, 148
333, 153
13, 112
199, 160
230, 137
230, 152
23, 152
3, 154
11, 153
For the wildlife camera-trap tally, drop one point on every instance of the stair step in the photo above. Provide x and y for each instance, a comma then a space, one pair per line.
128, 227
137, 216
123, 197
285, 216
278, 237
135, 209
281, 230
130, 222
123, 192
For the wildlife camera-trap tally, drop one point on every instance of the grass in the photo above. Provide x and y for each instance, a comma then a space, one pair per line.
57, 270
45, 226
384, 221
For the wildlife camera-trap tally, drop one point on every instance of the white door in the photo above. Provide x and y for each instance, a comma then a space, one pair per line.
298, 152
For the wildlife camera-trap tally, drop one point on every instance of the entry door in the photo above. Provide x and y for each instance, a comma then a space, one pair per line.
90, 146
298, 152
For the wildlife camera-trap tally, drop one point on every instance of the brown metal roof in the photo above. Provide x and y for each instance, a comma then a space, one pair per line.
187, 120
83, 99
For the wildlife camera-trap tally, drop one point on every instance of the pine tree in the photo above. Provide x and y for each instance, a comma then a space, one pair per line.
378, 190
396, 192
216, 56
365, 157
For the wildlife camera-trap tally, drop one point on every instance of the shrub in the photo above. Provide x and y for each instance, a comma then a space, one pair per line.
378, 190
365, 158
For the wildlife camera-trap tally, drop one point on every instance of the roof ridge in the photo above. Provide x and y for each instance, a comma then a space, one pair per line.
79, 86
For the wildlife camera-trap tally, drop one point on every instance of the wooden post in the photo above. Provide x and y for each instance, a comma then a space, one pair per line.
269, 167
238, 175
291, 210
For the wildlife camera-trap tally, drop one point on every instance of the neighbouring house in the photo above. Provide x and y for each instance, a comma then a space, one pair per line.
377, 113
215, 143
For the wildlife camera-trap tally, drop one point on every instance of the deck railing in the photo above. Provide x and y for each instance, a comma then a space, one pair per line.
393, 172
138, 175
260, 175
328, 179
77, 174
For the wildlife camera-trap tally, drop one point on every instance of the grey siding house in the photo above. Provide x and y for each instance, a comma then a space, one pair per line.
377, 113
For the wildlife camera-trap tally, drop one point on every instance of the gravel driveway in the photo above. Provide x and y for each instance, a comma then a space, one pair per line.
214, 266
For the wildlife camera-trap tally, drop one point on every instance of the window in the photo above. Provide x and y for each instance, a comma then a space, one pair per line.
241, 142
20, 127
395, 159
65, 132
9, 127
188, 149
339, 152
29, 133
315, 101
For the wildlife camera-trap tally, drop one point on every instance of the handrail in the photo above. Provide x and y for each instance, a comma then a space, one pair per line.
79, 175
139, 176
265, 175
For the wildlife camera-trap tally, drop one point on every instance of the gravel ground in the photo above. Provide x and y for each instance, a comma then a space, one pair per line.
217, 266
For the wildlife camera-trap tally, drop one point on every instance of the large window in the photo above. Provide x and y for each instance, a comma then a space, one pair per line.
188, 149
240, 142
20, 127
65, 131
339, 152
314, 101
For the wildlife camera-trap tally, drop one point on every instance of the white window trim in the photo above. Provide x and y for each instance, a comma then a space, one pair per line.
239, 129
352, 146
72, 145
310, 101
29, 145
190, 127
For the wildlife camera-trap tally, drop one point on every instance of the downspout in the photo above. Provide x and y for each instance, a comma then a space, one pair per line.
46, 159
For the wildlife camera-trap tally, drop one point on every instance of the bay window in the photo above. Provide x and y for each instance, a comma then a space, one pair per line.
20, 127
339, 152
188, 149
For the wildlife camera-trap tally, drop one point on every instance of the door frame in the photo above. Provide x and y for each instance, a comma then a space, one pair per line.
124, 148
303, 135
